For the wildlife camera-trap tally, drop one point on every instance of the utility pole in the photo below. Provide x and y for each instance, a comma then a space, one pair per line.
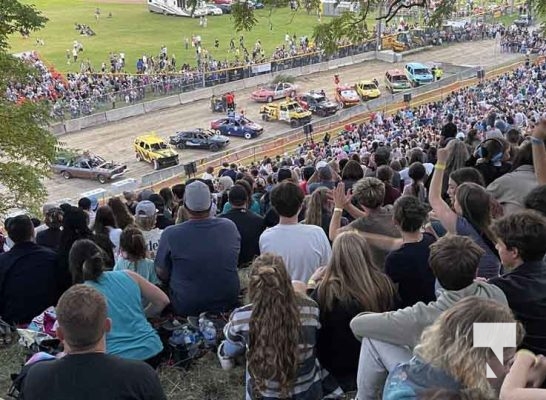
380, 26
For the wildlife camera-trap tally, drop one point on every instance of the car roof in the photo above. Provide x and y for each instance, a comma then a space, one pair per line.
149, 138
394, 72
367, 82
416, 65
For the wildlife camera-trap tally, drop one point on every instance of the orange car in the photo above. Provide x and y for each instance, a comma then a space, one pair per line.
346, 96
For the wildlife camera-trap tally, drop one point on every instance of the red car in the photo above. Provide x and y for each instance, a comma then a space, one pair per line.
274, 91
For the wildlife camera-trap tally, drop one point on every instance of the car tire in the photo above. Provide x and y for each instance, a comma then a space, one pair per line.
248, 136
214, 147
341, 105
155, 164
264, 117
321, 113
294, 123
138, 157
66, 175
102, 179
217, 131
181, 145
293, 93
365, 98
269, 99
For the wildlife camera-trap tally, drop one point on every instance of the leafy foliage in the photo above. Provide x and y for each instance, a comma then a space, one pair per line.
26, 146
284, 78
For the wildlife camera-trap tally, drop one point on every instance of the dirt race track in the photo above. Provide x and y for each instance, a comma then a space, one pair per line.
114, 141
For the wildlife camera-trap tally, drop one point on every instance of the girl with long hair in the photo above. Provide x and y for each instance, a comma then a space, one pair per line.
470, 216
168, 198
418, 175
123, 216
107, 232
350, 284
319, 209
133, 255
132, 336
278, 330
446, 356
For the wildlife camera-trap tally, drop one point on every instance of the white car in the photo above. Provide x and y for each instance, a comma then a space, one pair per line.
211, 9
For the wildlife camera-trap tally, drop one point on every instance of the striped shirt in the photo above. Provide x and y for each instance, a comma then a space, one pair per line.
312, 382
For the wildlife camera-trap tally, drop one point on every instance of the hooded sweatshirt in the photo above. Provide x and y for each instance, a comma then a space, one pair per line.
405, 326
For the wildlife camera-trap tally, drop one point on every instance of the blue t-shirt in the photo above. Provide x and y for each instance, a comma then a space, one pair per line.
254, 207
144, 268
132, 336
200, 257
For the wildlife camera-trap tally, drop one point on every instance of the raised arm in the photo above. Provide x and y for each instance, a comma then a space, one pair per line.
443, 212
539, 151
526, 374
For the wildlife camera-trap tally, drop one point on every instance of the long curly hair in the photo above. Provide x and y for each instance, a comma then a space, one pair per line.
448, 343
352, 276
275, 326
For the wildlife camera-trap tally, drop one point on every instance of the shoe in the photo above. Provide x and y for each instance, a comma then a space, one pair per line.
227, 363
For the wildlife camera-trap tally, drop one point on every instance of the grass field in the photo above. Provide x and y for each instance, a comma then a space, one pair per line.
135, 31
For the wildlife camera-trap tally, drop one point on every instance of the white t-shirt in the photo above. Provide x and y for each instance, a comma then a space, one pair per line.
206, 176
114, 234
304, 248
152, 240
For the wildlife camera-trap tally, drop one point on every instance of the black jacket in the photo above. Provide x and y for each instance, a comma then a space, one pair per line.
525, 289
28, 282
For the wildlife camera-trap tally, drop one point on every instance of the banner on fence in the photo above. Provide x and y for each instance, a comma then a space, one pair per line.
261, 68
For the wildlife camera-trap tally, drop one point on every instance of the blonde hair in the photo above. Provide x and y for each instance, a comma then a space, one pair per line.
352, 276
448, 343
275, 325
316, 204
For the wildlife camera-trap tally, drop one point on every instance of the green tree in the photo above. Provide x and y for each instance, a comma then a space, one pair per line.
26, 146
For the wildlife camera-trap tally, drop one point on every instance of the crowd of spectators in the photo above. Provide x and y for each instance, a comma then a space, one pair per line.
371, 256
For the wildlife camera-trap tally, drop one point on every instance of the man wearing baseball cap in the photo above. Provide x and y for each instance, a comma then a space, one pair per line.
198, 258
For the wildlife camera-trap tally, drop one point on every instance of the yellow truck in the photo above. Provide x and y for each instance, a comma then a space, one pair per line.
289, 111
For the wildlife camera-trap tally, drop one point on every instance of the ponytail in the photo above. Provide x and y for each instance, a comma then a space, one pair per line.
86, 261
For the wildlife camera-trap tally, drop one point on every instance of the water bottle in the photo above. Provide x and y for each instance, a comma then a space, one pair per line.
209, 334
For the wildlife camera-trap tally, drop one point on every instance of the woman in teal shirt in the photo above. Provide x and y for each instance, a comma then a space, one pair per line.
132, 336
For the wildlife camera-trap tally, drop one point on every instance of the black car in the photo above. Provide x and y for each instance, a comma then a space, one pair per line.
198, 139
317, 103
226, 8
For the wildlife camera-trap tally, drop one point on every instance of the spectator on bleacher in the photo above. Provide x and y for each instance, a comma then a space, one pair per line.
348, 285
416, 187
28, 275
490, 159
249, 224
202, 274
107, 233
351, 173
319, 210
145, 213
386, 337
511, 188
131, 336
324, 177
372, 218
121, 211
167, 195
408, 266
89, 205
133, 255
471, 216
86, 371
304, 248
521, 242
460, 176
278, 331
385, 174
252, 205
438, 359
51, 236
130, 201
161, 220
178, 197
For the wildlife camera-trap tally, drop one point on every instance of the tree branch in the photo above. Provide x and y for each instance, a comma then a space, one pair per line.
399, 4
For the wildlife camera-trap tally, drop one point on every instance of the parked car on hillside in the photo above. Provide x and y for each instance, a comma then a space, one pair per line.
198, 139
87, 166
211, 9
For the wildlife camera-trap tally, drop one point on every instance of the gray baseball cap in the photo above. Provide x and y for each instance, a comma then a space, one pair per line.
197, 197
145, 208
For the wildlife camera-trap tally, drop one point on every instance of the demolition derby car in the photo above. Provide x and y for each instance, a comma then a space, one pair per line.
274, 91
317, 103
198, 139
151, 148
236, 125
289, 111
367, 90
87, 166
346, 96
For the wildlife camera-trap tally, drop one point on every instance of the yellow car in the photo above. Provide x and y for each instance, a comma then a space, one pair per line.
367, 90
151, 148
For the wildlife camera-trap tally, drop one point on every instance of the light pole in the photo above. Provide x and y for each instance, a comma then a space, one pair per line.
380, 27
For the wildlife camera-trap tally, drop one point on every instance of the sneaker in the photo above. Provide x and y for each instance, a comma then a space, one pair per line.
226, 362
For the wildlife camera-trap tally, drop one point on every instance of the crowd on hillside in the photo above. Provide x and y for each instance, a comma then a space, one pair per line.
522, 40
371, 254
81, 93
